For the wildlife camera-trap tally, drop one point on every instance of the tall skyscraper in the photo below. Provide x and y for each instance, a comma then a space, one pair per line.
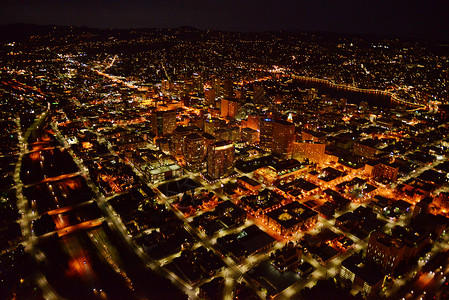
209, 95
233, 108
163, 122
266, 134
194, 152
229, 108
213, 124
228, 89
165, 87
224, 108
283, 137
216, 85
254, 122
178, 137
220, 159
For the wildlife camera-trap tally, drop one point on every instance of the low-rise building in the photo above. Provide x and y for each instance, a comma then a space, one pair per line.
362, 274
291, 218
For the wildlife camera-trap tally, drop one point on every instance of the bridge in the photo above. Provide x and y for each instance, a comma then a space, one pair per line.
393, 96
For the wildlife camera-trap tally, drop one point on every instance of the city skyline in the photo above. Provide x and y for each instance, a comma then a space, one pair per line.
193, 164
406, 19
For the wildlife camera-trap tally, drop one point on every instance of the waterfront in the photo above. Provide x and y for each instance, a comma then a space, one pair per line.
376, 98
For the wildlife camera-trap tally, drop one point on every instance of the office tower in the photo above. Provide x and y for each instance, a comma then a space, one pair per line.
224, 107
209, 96
283, 137
165, 87
213, 124
385, 169
228, 90
314, 136
194, 152
163, 122
312, 151
216, 85
422, 207
266, 134
220, 159
178, 136
384, 251
229, 108
250, 136
254, 122
233, 109
197, 81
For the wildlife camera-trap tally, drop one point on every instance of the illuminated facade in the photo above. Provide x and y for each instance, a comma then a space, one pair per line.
385, 251
194, 152
179, 134
386, 171
220, 159
314, 152
164, 122
254, 122
283, 137
250, 135
266, 134
209, 95
213, 124
229, 108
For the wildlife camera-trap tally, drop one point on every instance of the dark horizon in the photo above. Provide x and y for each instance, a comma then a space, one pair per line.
402, 19
18, 30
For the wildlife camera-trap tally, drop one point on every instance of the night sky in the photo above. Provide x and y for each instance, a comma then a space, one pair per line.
419, 19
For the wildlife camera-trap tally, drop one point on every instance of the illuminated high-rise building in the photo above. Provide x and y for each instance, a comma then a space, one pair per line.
233, 109
220, 159
213, 124
266, 134
254, 122
283, 137
384, 251
229, 108
228, 89
224, 108
312, 151
197, 82
216, 85
314, 136
163, 122
209, 95
178, 137
194, 152
250, 136
165, 87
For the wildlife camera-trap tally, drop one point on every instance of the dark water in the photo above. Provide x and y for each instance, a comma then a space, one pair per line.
356, 97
